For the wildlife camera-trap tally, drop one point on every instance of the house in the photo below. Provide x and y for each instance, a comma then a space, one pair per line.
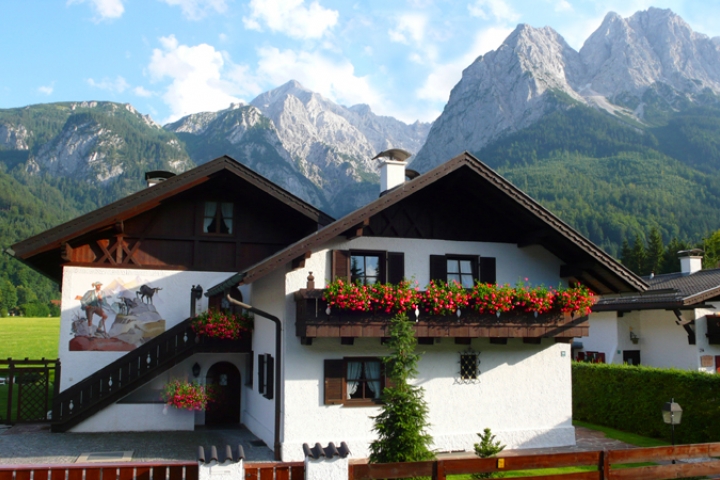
311, 373
673, 324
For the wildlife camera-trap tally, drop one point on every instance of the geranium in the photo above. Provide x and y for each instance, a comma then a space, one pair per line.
186, 395
492, 298
348, 296
442, 298
538, 299
218, 324
576, 299
390, 298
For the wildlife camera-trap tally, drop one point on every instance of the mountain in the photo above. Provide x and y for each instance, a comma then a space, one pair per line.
643, 68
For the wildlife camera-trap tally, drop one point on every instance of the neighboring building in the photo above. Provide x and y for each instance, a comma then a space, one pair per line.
510, 373
674, 324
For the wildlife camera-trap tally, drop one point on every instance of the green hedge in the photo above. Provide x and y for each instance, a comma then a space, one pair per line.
631, 398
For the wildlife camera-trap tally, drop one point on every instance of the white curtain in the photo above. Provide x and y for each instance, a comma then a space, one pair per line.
372, 373
353, 375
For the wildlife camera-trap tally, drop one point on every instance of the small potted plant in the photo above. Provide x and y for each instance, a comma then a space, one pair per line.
185, 395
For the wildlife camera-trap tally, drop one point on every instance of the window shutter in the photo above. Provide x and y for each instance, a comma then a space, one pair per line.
580, 356
334, 379
438, 268
487, 270
261, 374
341, 265
270, 373
395, 267
250, 370
600, 357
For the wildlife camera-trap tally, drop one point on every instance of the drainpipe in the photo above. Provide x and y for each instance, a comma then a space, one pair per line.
278, 343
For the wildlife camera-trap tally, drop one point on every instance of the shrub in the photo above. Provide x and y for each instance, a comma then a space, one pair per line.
630, 398
487, 448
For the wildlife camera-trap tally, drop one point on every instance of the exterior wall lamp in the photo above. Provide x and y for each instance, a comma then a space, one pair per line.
196, 370
634, 338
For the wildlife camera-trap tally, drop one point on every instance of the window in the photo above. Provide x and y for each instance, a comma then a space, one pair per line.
368, 267
469, 366
365, 268
266, 375
460, 270
218, 218
354, 381
464, 269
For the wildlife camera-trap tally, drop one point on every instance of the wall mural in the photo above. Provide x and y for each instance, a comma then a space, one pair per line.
118, 316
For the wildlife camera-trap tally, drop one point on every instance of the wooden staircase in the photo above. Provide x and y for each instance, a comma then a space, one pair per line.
113, 382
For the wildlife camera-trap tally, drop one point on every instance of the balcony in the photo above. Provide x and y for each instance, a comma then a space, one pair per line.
313, 321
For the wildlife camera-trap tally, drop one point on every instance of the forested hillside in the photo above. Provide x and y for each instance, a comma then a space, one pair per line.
613, 180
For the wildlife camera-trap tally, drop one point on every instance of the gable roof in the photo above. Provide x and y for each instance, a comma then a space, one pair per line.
668, 291
527, 222
151, 197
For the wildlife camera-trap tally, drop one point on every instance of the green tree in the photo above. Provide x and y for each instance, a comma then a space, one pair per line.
637, 256
625, 253
654, 251
711, 246
487, 448
401, 424
671, 261
9, 295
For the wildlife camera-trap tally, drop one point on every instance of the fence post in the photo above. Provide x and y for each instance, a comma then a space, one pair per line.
230, 468
604, 465
328, 463
11, 381
439, 473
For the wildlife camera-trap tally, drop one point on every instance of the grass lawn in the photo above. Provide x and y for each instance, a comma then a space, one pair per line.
631, 438
29, 337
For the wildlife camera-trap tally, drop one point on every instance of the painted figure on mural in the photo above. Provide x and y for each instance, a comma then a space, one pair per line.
92, 302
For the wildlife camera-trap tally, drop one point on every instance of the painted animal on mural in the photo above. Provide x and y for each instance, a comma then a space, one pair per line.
146, 293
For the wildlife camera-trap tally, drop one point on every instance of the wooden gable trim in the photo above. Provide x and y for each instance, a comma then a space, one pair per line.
150, 197
556, 227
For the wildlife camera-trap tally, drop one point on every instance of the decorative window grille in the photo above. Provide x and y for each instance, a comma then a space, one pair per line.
469, 366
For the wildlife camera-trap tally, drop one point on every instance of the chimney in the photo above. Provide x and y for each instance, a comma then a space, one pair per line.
157, 176
392, 168
690, 261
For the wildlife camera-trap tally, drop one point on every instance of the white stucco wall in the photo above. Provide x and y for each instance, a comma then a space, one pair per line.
603, 336
172, 302
524, 392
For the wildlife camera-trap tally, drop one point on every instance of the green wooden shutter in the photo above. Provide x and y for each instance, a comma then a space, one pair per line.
341, 265
487, 270
438, 268
395, 267
334, 380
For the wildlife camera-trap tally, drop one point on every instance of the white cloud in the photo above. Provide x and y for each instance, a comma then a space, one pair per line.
334, 79
198, 9
563, 6
409, 27
444, 77
142, 92
291, 17
498, 9
118, 85
47, 89
105, 9
196, 75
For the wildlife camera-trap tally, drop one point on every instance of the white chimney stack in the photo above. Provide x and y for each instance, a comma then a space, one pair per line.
690, 261
392, 168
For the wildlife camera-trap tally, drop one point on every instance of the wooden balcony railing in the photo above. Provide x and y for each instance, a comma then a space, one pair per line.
312, 321
134, 369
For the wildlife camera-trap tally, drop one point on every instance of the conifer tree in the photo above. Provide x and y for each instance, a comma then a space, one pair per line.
637, 256
625, 253
401, 424
654, 252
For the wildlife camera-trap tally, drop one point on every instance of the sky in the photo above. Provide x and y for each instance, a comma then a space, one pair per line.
171, 58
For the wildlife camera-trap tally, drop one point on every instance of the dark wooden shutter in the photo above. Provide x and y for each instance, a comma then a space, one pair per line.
487, 270
438, 268
250, 369
334, 379
270, 375
341, 264
580, 356
261, 374
395, 267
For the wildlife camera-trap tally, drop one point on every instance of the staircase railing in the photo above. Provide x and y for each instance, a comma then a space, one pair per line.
132, 370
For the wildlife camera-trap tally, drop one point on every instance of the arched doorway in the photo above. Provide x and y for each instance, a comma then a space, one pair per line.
224, 380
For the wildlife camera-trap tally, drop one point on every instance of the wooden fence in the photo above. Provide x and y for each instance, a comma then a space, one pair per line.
601, 465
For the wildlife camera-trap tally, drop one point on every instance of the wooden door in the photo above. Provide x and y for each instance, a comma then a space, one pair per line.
223, 379
717, 364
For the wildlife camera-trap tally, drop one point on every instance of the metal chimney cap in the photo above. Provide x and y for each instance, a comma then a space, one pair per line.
693, 252
394, 154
